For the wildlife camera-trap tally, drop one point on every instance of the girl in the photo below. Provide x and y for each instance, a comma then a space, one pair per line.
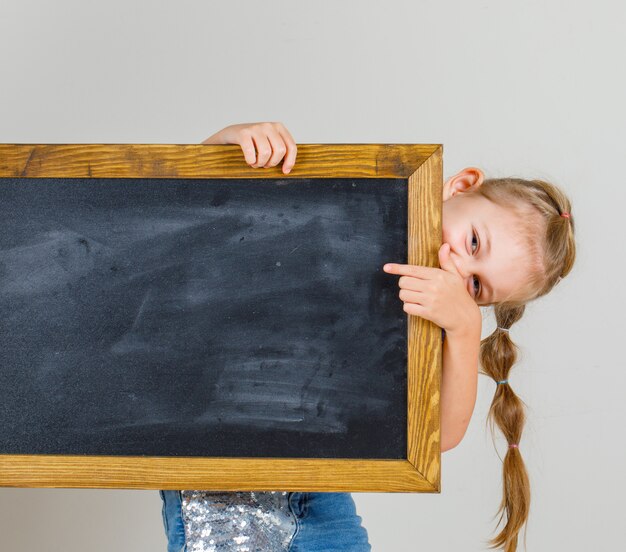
505, 242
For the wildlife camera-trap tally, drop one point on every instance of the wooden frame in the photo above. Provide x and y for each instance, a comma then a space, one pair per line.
420, 164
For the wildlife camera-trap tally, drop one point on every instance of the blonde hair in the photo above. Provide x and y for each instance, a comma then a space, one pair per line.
550, 240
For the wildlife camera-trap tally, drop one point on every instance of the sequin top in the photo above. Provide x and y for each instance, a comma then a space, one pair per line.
247, 521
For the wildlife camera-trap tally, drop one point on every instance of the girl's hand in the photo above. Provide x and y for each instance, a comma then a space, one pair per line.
271, 140
438, 294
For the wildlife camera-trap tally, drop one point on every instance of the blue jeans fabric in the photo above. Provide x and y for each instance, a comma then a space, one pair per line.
325, 522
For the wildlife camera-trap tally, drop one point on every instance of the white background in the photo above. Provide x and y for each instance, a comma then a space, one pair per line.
533, 89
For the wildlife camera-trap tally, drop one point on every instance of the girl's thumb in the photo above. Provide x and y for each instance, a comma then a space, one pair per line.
444, 255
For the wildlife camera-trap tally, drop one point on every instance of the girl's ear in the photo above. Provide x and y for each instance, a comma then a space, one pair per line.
468, 180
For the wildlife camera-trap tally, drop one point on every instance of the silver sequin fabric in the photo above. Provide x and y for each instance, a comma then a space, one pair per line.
237, 521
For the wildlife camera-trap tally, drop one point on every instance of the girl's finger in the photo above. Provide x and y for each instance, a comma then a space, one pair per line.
412, 283
410, 270
414, 309
409, 296
263, 149
278, 149
249, 151
292, 150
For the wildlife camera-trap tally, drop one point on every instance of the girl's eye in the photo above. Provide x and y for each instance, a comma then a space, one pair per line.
476, 286
475, 280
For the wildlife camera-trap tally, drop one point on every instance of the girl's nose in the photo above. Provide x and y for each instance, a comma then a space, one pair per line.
462, 265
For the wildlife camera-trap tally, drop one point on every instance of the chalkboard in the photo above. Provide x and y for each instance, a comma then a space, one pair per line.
203, 317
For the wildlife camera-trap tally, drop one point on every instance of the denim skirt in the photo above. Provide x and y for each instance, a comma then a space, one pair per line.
296, 522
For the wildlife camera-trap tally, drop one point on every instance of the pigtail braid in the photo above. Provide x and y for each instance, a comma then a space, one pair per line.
546, 226
497, 356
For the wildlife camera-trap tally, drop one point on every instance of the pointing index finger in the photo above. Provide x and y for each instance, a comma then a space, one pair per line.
408, 270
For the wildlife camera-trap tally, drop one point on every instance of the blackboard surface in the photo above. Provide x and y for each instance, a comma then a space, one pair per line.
202, 317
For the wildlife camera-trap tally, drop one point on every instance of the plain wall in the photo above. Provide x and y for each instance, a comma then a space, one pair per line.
532, 89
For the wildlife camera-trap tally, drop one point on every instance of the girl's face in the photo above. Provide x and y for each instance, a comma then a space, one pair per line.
483, 238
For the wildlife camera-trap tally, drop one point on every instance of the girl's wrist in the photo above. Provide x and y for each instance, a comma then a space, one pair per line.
472, 328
